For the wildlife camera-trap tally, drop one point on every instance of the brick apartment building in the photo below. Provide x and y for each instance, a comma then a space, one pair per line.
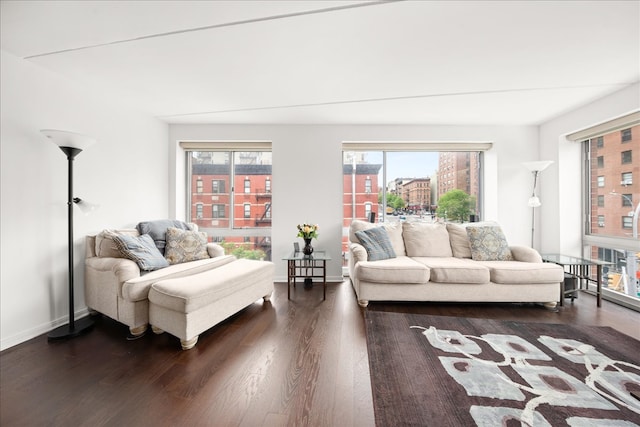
615, 181
459, 170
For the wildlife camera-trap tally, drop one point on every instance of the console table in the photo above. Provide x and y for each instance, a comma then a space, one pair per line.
308, 267
579, 268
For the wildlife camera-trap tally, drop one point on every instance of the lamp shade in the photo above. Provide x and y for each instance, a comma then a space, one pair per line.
538, 166
63, 138
534, 202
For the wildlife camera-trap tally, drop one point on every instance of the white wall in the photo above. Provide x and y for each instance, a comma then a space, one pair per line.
307, 174
126, 173
561, 211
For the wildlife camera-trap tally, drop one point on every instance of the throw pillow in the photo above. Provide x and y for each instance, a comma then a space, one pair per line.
105, 246
459, 241
426, 239
185, 246
376, 242
157, 230
142, 250
488, 244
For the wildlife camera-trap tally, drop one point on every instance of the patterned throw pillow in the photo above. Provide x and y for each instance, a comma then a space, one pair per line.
142, 250
158, 228
185, 246
488, 244
376, 242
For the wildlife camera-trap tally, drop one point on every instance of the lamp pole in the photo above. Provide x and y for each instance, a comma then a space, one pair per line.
71, 145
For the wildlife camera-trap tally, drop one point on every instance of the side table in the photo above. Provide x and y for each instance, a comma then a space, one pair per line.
579, 268
307, 267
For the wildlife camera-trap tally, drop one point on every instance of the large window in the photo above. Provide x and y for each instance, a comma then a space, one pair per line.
392, 185
611, 213
236, 209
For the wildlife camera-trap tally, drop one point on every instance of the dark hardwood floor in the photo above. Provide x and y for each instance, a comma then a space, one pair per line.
291, 363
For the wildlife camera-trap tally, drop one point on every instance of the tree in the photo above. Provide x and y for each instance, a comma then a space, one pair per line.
456, 205
393, 201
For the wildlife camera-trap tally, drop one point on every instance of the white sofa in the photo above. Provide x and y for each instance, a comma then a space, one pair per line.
116, 287
434, 262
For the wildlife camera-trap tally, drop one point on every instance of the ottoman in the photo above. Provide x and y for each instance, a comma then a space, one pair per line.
187, 306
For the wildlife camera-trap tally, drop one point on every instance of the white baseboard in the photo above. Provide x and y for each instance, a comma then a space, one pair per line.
36, 331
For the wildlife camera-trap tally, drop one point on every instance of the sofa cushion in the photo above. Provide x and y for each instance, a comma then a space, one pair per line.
157, 229
516, 272
455, 270
488, 243
142, 250
377, 244
200, 290
185, 245
137, 289
459, 240
105, 247
401, 269
423, 239
394, 231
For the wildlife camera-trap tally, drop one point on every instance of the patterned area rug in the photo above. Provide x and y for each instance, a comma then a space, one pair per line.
449, 371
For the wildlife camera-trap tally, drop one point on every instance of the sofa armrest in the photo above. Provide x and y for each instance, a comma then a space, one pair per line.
124, 269
358, 252
525, 254
215, 250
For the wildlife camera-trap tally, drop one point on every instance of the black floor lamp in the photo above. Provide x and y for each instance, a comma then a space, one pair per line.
71, 144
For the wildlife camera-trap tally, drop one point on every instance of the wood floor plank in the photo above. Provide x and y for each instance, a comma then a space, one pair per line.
298, 362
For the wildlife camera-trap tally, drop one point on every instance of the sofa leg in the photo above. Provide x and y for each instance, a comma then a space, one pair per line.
551, 305
137, 332
189, 344
363, 303
267, 297
156, 330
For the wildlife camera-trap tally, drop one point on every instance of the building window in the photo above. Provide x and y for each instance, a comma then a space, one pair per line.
247, 185
627, 200
267, 186
601, 181
199, 185
600, 161
367, 210
217, 211
367, 186
600, 141
625, 135
225, 212
601, 201
267, 210
626, 157
217, 186
600, 220
627, 221
627, 178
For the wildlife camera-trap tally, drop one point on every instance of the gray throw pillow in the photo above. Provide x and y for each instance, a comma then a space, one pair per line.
488, 244
157, 229
376, 242
142, 250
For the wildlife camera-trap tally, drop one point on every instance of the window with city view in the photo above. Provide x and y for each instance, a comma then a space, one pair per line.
229, 197
410, 186
612, 207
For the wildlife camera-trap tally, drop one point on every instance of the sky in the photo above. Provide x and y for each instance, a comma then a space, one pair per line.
406, 164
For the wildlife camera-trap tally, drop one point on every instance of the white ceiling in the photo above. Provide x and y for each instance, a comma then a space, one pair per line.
351, 62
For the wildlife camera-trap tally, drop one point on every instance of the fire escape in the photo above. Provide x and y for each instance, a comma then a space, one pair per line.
264, 243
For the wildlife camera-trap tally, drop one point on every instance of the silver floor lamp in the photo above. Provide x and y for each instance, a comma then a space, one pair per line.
71, 144
534, 201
